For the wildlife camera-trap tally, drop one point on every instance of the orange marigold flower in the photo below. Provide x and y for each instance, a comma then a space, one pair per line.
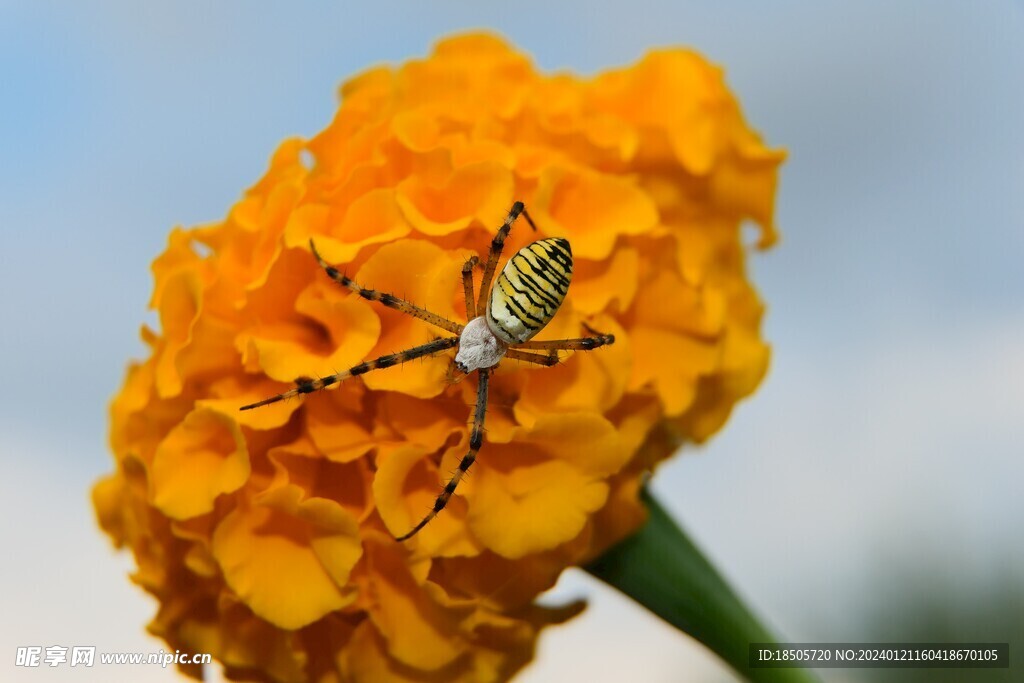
268, 535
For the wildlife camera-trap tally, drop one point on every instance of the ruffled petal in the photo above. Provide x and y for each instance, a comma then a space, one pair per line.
268, 551
428, 277
532, 508
478, 192
419, 633
201, 458
593, 210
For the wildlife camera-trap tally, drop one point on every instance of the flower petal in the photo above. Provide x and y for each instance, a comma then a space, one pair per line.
429, 277
179, 306
592, 381
418, 632
534, 507
537, 494
405, 488
672, 364
592, 210
334, 424
266, 552
596, 285
478, 192
200, 459
372, 218
298, 349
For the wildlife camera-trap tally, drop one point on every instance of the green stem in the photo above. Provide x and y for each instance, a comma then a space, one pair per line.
662, 569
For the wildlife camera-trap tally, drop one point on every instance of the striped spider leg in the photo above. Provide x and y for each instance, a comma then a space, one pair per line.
503, 319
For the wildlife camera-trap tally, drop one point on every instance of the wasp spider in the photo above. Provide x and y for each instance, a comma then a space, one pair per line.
525, 297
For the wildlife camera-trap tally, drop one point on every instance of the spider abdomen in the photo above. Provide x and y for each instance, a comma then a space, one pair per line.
531, 287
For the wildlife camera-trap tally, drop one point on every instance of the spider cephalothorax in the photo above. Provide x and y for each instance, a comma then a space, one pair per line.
525, 297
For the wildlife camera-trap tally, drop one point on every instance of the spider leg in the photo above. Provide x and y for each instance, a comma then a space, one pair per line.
548, 359
582, 344
306, 385
476, 440
497, 244
389, 300
467, 285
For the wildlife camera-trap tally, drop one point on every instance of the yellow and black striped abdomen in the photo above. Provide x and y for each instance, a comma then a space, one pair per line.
531, 287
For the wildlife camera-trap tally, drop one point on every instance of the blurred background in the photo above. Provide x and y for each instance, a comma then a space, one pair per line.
871, 490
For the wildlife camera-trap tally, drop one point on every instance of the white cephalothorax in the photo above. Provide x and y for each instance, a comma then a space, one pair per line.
478, 347
502, 322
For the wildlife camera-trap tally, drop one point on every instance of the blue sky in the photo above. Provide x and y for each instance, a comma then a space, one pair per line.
892, 422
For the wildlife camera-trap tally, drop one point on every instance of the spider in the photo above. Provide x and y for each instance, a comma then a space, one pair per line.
525, 297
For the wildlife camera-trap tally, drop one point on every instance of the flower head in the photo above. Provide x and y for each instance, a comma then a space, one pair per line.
267, 535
